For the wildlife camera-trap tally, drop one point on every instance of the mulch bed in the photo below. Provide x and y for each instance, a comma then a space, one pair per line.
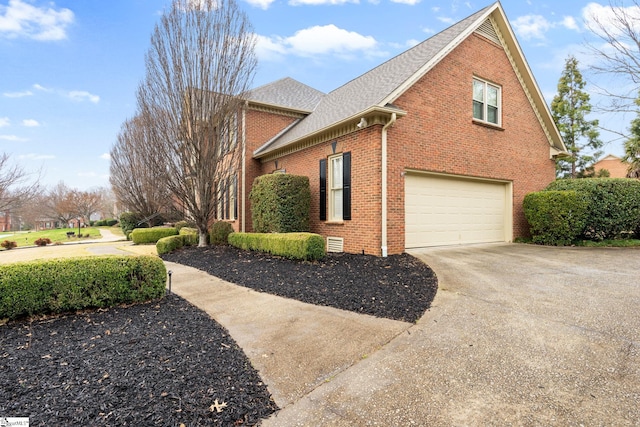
166, 363
163, 363
398, 287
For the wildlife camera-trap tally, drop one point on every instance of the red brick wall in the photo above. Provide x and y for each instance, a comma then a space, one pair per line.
261, 127
438, 135
616, 167
362, 232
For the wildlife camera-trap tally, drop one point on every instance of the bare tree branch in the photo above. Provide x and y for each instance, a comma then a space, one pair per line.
15, 188
198, 70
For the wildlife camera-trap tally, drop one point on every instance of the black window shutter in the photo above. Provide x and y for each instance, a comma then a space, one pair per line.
235, 197
323, 190
346, 185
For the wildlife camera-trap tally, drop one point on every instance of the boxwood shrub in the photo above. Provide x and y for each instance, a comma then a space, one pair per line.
305, 246
151, 235
555, 217
280, 203
169, 244
60, 285
189, 235
219, 233
613, 209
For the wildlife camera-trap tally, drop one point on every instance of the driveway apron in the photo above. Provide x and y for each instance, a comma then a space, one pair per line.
517, 335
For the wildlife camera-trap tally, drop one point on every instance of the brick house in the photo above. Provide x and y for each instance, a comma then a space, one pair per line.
437, 146
617, 167
5, 221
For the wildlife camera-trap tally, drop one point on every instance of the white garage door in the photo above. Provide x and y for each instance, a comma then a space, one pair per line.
443, 210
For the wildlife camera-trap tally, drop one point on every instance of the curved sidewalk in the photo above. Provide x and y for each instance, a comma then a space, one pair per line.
295, 346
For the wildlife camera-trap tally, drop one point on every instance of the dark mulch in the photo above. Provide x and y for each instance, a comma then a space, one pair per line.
162, 363
165, 363
398, 287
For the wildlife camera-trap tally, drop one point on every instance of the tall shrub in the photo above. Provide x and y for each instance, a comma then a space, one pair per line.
613, 209
280, 203
555, 217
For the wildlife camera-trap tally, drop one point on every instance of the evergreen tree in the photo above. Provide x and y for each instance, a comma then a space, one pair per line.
569, 108
632, 147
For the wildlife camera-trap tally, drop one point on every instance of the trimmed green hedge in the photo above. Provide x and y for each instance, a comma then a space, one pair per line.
555, 217
151, 235
280, 203
613, 205
169, 244
61, 285
219, 233
306, 246
189, 236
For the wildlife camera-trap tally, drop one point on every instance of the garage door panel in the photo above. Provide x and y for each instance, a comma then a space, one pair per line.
447, 210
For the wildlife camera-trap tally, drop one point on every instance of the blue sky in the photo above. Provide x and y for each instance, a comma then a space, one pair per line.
69, 69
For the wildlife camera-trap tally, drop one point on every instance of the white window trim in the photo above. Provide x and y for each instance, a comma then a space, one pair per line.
330, 187
485, 113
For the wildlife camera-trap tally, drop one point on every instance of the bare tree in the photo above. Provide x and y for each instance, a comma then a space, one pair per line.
198, 69
618, 28
60, 205
16, 188
85, 203
137, 181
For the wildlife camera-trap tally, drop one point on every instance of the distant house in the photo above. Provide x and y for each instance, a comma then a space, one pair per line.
436, 146
5, 221
617, 167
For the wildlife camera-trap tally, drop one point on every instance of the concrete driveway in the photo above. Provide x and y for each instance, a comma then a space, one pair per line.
517, 335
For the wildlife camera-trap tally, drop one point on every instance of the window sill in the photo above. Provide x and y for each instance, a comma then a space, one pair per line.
487, 124
335, 222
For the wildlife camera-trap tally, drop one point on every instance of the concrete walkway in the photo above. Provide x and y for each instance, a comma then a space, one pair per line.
296, 347
517, 335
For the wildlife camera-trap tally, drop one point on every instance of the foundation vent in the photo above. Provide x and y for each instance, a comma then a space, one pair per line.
335, 244
487, 30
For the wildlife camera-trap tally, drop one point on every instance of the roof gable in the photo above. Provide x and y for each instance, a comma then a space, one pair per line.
381, 86
287, 93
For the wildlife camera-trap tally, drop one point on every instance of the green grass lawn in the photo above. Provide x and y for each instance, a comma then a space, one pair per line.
27, 238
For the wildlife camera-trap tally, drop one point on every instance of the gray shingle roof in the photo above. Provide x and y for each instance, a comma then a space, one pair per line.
287, 93
374, 87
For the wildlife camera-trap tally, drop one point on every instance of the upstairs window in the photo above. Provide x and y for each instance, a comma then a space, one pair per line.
486, 102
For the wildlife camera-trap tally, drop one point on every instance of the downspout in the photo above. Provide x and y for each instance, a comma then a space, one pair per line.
244, 172
391, 121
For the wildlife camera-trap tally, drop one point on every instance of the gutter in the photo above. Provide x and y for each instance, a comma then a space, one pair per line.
244, 167
391, 121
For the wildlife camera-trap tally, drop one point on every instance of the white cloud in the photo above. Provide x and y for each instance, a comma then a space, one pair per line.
536, 26
21, 19
262, 4
320, 2
81, 95
446, 20
33, 156
42, 88
105, 156
317, 40
569, 22
18, 94
30, 123
409, 2
12, 138
4, 121
531, 26
596, 15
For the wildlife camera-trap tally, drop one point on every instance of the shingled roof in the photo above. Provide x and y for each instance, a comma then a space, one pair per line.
380, 86
287, 93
